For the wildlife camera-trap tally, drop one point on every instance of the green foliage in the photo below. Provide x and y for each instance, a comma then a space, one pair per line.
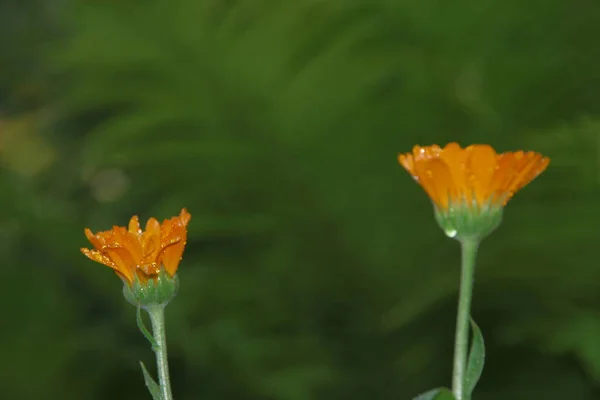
476, 360
436, 394
151, 384
314, 266
142, 327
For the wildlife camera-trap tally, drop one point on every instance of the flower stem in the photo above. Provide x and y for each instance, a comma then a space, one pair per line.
461, 344
157, 318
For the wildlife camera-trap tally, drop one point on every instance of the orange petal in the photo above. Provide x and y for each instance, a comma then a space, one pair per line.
439, 179
131, 243
504, 172
538, 165
106, 260
166, 228
419, 154
173, 240
123, 277
152, 227
184, 217
151, 240
531, 166
481, 167
97, 256
134, 226
455, 158
171, 256
406, 160
420, 176
520, 163
427, 152
98, 241
122, 259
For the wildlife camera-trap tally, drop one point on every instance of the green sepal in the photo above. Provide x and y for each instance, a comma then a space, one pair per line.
436, 394
462, 220
151, 384
157, 291
476, 360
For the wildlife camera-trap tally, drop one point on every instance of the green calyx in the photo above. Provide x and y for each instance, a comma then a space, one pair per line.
462, 220
157, 291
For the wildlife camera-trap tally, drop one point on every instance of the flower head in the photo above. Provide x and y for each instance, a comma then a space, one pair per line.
471, 184
473, 174
140, 256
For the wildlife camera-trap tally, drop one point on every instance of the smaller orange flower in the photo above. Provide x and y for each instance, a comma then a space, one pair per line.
473, 176
132, 253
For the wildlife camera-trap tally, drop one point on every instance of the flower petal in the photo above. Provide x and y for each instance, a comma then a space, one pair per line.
527, 169
97, 241
439, 180
173, 240
122, 260
151, 240
407, 161
184, 217
455, 158
481, 167
171, 256
97, 256
134, 226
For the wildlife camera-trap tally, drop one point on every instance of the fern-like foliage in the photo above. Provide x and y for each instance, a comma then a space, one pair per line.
314, 266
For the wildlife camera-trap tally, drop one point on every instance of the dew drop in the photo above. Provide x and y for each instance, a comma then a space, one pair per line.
451, 233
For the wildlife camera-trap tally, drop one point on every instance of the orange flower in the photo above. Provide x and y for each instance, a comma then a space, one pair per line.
475, 175
135, 253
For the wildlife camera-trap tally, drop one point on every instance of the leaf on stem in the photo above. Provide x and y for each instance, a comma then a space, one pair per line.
475, 361
436, 394
144, 330
151, 384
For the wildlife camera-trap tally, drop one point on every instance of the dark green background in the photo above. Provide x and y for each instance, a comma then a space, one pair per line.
314, 267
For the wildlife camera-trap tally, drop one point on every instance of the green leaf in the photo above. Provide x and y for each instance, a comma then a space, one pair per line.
151, 384
476, 360
436, 394
142, 326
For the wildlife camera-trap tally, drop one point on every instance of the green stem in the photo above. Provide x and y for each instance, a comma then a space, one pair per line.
461, 344
157, 317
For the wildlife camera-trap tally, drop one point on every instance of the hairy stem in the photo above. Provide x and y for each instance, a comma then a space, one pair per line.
157, 317
461, 344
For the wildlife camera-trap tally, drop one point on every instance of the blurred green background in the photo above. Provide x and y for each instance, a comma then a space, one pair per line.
314, 267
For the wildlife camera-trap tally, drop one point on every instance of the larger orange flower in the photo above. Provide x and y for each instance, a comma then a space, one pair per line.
133, 253
473, 176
